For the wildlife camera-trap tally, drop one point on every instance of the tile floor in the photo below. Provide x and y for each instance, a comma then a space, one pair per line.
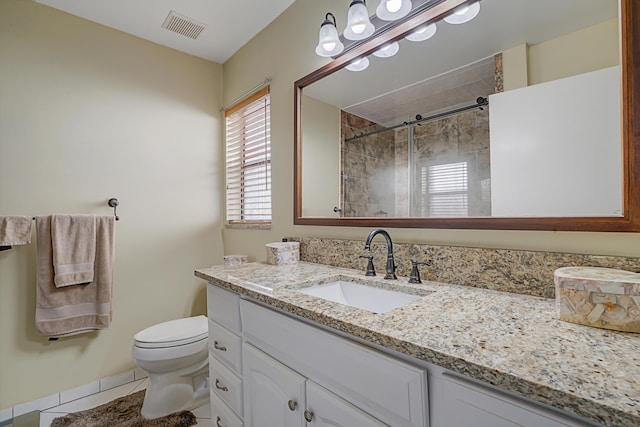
203, 414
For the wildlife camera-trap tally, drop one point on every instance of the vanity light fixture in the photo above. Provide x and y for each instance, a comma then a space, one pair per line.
329, 43
423, 32
359, 27
463, 14
358, 64
390, 10
387, 50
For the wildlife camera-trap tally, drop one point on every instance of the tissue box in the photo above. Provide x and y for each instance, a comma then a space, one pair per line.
283, 253
600, 297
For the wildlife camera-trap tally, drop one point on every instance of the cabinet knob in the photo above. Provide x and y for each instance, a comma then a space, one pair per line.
308, 415
221, 387
219, 422
292, 404
218, 346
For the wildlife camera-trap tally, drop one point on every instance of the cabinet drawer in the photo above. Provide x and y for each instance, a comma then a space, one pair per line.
221, 415
226, 384
393, 391
222, 306
225, 346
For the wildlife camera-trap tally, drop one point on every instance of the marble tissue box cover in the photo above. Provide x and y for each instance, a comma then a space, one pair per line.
600, 297
283, 253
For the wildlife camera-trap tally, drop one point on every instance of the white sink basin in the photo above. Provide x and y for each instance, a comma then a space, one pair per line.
366, 297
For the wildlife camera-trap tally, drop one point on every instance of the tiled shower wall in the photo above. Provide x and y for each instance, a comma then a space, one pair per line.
523, 272
367, 169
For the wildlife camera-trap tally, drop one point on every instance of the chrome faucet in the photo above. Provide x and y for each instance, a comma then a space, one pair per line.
391, 265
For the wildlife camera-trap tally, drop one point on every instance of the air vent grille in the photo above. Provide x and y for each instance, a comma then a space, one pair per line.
183, 25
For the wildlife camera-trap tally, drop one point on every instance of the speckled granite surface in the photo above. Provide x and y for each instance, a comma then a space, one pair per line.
523, 272
509, 340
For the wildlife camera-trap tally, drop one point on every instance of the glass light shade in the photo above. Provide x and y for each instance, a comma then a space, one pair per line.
423, 32
463, 14
328, 41
358, 25
390, 10
358, 65
387, 50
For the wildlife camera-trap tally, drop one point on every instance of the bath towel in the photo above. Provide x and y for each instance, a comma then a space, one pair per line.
14, 230
73, 240
74, 309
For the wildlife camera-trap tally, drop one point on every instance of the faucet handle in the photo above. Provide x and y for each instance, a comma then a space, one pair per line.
370, 269
415, 273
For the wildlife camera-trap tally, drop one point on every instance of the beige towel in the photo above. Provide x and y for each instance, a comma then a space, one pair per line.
74, 248
74, 309
15, 230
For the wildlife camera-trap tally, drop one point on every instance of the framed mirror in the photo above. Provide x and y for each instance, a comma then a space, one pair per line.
480, 126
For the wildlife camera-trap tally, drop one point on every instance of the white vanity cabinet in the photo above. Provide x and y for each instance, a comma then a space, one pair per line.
269, 368
380, 387
225, 357
277, 396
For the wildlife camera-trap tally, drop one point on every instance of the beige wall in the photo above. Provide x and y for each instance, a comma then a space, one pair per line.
321, 152
573, 53
88, 113
285, 50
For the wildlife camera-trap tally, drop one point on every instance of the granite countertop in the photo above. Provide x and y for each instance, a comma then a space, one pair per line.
513, 341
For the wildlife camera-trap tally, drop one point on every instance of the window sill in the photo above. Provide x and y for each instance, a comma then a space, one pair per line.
249, 226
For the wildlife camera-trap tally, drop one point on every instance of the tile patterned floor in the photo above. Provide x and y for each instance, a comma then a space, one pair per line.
203, 414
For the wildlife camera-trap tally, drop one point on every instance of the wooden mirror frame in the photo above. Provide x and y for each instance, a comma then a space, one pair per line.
630, 98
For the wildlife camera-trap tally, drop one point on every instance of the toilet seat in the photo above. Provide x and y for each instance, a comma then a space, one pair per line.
174, 333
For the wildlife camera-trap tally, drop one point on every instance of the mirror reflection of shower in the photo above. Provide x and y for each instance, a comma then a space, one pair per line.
433, 166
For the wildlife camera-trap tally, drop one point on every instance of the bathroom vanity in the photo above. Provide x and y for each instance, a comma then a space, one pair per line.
456, 356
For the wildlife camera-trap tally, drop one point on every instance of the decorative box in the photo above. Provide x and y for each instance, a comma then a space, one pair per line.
283, 253
233, 260
599, 297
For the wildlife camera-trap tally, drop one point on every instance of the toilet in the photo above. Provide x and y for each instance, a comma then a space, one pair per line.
175, 354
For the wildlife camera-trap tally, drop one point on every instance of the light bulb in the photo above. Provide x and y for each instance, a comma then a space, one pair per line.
393, 5
463, 14
390, 10
423, 32
328, 42
358, 25
387, 50
358, 64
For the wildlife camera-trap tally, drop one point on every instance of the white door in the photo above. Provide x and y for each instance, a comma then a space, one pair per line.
325, 409
274, 395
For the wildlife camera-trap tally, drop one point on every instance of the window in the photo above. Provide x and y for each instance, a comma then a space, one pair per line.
248, 160
447, 187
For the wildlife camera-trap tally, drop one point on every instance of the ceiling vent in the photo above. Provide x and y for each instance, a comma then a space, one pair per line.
183, 25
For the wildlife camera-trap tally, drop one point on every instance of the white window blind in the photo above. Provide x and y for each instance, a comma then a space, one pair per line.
248, 160
447, 189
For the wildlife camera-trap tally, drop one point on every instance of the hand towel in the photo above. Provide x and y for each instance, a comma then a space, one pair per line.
74, 309
74, 248
15, 230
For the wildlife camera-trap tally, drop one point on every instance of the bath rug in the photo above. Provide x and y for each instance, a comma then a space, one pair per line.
124, 411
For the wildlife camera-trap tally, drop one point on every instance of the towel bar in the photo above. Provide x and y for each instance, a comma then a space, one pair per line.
113, 202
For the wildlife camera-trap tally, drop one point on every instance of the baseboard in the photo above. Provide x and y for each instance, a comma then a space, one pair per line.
12, 416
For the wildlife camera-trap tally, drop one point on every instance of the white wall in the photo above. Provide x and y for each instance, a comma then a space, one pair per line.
285, 51
88, 113
571, 165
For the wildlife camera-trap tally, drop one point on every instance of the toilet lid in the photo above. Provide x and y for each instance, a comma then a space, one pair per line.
173, 333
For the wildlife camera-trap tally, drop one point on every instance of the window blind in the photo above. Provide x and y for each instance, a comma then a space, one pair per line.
248, 159
447, 189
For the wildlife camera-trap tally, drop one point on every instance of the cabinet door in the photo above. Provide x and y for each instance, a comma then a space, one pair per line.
274, 395
466, 404
325, 409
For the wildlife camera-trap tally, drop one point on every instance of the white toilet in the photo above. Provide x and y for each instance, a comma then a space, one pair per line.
175, 354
